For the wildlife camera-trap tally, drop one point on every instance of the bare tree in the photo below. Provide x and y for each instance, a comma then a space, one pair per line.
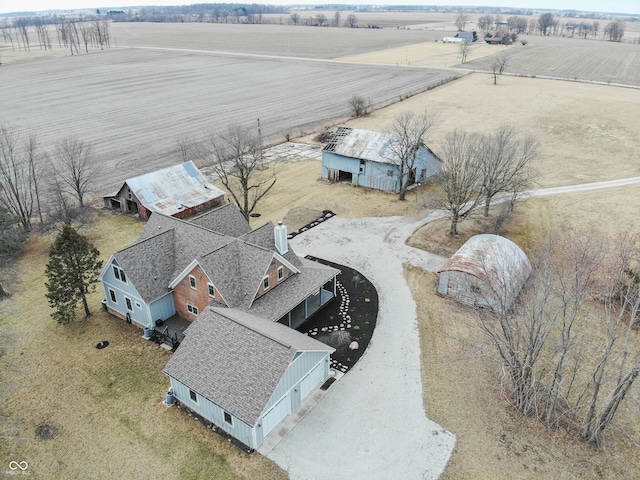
569, 348
320, 19
336, 18
464, 48
360, 106
236, 158
505, 163
498, 66
77, 168
18, 176
294, 18
614, 30
545, 21
408, 133
462, 17
352, 21
460, 178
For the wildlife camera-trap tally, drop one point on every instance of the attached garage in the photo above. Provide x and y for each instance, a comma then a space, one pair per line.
245, 374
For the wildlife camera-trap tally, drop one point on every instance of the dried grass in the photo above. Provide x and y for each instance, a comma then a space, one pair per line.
461, 393
105, 404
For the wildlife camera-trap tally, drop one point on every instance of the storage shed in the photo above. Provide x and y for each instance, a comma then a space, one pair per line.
487, 271
364, 158
245, 374
177, 191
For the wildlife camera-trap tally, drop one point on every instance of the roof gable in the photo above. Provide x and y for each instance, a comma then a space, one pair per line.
236, 360
226, 220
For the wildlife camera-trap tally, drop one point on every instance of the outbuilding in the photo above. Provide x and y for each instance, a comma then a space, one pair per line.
177, 191
487, 271
364, 158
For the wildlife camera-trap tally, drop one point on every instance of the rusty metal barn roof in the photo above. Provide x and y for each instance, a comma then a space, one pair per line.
173, 189
491, 255
363, 144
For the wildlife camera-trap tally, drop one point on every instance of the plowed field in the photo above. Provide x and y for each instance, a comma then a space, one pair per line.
134, 104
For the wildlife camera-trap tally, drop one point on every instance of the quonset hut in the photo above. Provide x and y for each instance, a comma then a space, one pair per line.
487, 271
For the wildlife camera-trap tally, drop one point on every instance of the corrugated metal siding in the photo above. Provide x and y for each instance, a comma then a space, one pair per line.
212, 412
296, 371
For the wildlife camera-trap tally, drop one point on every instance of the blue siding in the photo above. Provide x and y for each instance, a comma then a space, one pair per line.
375, 174
212, 412
296, 371
141, 314
162, 308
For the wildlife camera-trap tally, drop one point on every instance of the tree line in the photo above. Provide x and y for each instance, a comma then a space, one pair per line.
549, 24
70, 32
568, 351
41, 188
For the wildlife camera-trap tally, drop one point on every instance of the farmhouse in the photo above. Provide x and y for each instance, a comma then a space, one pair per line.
363, 158
244, 373
179, 191
487, 271
245, 291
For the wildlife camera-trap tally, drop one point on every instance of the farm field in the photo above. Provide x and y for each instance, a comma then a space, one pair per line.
281, 40
569, 58
134, 104
586, 132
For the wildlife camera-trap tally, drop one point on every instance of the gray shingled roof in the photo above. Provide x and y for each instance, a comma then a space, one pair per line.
236, 266
285, 296
226, 220
236, 360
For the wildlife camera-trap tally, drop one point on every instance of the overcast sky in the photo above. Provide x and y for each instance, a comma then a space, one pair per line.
618, 6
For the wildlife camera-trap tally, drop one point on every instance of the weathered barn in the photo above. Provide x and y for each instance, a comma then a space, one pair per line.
364, 158
178, 191
245, 374
487, 271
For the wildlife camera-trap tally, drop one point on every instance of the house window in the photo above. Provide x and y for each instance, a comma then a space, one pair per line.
138, 305
265, 283
280, 273
119, 274
193, 396
112, 294
192, 281
228, 418
128, 301
389, 173
361, 166
212, 291
192, 309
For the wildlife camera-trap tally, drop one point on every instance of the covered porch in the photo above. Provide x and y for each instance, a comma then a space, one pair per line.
310, 305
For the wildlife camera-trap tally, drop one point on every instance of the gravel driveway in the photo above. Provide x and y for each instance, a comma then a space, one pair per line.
371, 424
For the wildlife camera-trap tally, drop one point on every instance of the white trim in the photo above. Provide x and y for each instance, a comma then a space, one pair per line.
286, 263
174, 283
211, 286
193, 283
266, 285
106, 266
192, 309
114, 297
280, 273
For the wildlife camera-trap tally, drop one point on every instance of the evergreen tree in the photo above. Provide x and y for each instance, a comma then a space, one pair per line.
72, 272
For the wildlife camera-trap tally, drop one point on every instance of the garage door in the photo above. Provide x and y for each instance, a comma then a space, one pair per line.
311, 381
276, 415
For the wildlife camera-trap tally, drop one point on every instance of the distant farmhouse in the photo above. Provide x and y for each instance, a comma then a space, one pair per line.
363, 158
240, 365
487, 271
462, 37
178, 191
